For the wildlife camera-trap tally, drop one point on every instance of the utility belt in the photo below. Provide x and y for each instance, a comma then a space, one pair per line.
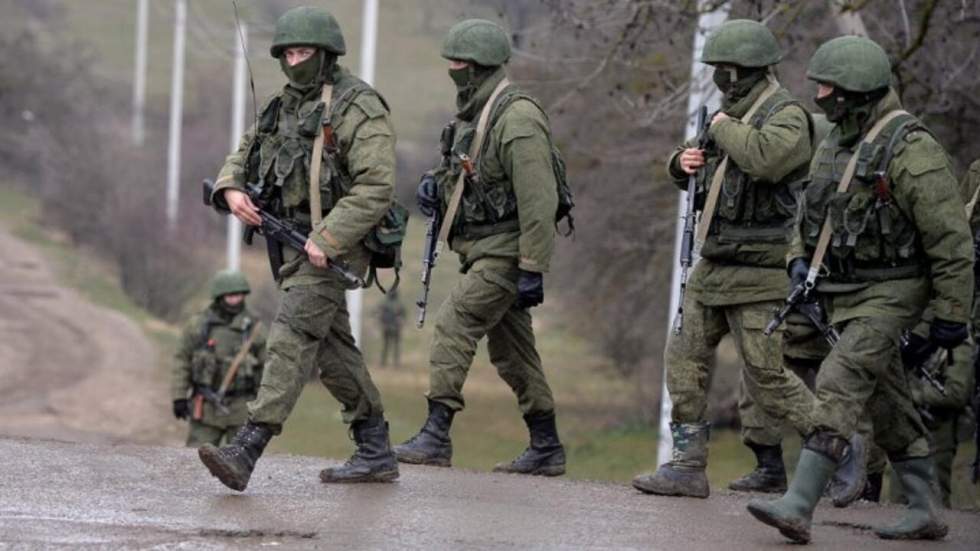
473, 232
300, 215
727, 232
247, 392
863, 272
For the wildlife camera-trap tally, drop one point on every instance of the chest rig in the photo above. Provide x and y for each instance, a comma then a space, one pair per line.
218, 343
872, 238
754, 211
489, 204
280, 154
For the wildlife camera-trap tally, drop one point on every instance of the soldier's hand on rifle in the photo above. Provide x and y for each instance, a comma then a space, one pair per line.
317, 257
242, 207
947, 334
719, 116
530, 289
797, 270
691, 160
427, 195
182, 409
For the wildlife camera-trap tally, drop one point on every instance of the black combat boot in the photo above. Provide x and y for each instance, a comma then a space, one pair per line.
373, 460
684, 474
233, 464
848, 481
769, 475
872, 488
922, 520
431, 446
545, 455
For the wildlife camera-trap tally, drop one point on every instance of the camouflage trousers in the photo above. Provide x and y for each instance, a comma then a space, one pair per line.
481, 304
201, 434
943, 441
803, 350
779, 393
312, 330
863, 374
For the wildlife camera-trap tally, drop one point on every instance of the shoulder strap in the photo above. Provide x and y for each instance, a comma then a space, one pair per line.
316, 210
457, 196
823, 241
711, 203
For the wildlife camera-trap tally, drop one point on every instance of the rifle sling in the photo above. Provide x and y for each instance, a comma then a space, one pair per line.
823, 241
236, 362
714, 191
457, 196
316, 212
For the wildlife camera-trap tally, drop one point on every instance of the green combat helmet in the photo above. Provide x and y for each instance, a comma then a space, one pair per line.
741, 42
228, 282
852, 63
308, 26
478, 41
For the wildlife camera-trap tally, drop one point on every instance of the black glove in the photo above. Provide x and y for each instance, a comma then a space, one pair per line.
530, 289
947, 334
427, 195
798, 270
915, 349
182, 409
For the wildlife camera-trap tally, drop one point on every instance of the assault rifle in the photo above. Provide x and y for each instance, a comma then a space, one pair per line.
275, 229
799, 300
429, 256
922, 356
690, 220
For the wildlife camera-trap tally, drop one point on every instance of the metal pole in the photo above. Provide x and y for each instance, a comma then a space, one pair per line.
139, 78
237, 129
369, 40
703, 91
176, 114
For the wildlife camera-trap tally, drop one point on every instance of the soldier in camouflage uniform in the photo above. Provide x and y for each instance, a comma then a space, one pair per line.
208, 345
357, 174
504, 257
391, 314
739, 280
941, 412
898, 244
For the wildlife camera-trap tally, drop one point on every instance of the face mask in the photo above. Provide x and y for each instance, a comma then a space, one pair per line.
833, 105
724, 79
305, 72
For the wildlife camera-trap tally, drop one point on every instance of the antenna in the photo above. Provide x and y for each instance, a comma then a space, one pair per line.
248, 65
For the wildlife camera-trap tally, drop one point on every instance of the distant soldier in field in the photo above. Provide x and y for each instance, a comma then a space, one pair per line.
504, 234
749, 176
208, 347
354, 191
883, 225
391, 316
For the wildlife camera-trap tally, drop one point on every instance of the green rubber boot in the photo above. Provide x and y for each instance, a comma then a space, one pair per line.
793, 513
922, 521
684, 474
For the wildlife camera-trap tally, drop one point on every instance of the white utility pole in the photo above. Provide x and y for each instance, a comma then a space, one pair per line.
139, 78
703, 92
237, 129
369, 41
176, 114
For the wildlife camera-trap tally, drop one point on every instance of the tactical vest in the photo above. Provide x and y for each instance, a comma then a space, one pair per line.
218, 343
489, 203
753, 211
279, 158
872, 238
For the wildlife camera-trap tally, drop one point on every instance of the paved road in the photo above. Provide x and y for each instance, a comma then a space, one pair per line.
57, 494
